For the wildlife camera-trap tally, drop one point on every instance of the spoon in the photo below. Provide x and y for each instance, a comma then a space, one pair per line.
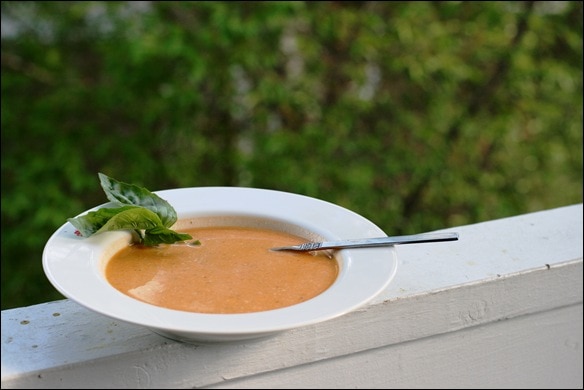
370, 242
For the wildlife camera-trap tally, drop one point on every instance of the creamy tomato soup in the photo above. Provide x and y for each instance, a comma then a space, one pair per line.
232, 271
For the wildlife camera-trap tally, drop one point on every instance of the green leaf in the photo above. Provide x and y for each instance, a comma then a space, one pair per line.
133, 218
163, 235
93, 221
140, 210
117, 191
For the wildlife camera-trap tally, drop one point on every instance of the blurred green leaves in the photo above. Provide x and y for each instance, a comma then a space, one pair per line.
417, 115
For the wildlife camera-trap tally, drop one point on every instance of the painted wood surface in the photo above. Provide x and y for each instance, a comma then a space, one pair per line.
501, 307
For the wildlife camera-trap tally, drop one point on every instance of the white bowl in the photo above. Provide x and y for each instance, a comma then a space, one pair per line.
75, 265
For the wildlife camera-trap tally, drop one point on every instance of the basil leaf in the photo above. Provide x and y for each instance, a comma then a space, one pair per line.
163, 235
140, 210
117, 191
93, 221
133, 218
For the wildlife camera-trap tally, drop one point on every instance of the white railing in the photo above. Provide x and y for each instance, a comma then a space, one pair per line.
500, 308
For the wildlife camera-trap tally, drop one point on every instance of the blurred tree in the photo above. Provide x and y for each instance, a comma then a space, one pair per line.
417, 115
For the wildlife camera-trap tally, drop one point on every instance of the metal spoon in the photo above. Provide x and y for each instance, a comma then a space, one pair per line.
370, 242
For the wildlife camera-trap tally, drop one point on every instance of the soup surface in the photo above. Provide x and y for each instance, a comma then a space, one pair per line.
232, 271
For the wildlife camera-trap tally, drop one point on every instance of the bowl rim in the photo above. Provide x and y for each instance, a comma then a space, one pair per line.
73, 264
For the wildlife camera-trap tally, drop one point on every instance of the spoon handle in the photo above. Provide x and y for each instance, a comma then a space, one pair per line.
370, 242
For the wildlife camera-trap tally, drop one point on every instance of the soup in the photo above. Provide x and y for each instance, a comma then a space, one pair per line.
231, 271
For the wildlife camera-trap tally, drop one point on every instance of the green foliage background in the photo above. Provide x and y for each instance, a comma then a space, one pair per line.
417, 115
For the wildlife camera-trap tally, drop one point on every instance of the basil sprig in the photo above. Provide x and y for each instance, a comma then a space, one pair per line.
137, 209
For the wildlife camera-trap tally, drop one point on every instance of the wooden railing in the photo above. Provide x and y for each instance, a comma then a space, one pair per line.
500, 308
